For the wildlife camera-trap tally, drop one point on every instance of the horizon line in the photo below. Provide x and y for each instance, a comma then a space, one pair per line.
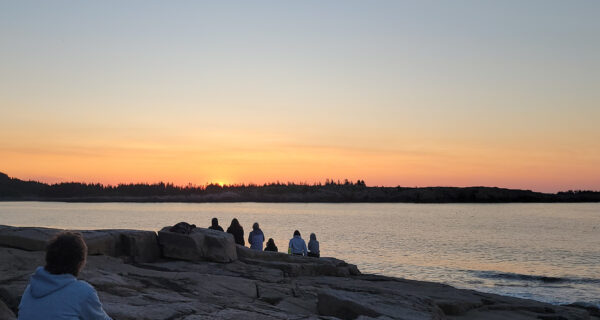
342, 182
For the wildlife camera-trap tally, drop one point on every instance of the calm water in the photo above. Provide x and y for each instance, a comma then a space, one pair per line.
548, 252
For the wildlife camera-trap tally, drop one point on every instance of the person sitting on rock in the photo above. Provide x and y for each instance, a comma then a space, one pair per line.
313, 246
54, 291
215, 225
256, 238
297, 245
271, 245
237, 231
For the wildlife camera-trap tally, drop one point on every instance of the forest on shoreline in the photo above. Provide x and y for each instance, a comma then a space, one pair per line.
14, 189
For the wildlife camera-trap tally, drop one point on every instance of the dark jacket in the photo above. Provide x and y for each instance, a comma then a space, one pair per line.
256, 239
313, 245
271, 246
217, 227
238, 234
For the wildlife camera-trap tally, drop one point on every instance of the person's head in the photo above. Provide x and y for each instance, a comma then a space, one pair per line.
313, 236
66, 253
271, 241
235, 222
215, 222
297, 233
255, 226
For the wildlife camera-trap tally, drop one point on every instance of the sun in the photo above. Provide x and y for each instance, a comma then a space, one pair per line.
220, 182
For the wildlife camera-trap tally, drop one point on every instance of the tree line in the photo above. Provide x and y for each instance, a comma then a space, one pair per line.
329, 191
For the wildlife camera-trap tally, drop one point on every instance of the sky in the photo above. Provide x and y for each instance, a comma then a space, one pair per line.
409, 93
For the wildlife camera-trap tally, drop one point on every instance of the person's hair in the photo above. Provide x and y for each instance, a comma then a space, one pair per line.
296, 233
313, 236
235, 222
66, 253
255, 226
215, 222
271, 241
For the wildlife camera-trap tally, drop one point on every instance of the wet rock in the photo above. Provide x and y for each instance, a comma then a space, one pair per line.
200, 244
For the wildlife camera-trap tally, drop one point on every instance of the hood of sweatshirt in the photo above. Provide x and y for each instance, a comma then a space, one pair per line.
44, 283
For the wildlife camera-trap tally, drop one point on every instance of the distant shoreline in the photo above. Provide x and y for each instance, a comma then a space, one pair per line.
179, 200
13, 189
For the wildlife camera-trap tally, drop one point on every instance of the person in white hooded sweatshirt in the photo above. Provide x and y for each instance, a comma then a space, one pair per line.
297, 245
54, 291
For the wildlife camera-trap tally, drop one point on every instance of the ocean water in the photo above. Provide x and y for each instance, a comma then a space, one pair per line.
546, 252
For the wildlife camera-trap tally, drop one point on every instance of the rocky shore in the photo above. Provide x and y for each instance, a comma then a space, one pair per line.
204, 275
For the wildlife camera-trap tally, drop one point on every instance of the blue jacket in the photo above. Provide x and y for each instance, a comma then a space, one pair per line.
256, 239
297, 245
59, 297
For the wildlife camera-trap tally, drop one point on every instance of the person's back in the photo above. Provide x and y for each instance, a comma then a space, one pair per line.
59, 296
297, 245
215, 225
54, 291
256, 238
271, 246
313, 246
237, 231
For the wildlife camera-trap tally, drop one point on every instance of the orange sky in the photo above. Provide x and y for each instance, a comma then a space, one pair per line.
409, 94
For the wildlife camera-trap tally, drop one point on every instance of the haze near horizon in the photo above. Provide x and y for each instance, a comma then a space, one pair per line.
426, 93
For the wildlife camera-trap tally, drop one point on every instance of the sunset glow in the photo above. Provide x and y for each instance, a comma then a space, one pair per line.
253, 93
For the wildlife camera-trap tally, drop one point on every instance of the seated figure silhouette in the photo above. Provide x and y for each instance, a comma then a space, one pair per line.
313, 246
215, 225
54, 291
237, 231
271, 245
256, 238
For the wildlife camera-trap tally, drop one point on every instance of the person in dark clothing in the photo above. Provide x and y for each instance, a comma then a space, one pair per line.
256, 238
313, 246
215, 225
271, 245
237, 231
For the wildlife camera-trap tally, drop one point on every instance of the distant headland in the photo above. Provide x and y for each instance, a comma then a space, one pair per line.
14, 189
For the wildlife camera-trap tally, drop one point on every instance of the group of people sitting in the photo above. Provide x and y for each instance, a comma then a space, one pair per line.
256, 238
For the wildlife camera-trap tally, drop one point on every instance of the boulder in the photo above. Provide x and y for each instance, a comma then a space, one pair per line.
139, 246
294, 266
200, 244
26, 238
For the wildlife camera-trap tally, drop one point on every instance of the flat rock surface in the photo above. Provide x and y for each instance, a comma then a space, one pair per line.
268, 286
